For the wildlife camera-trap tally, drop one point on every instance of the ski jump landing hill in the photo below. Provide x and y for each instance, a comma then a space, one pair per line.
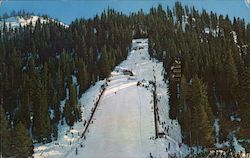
124, 122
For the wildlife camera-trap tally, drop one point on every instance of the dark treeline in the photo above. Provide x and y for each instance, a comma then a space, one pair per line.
39, 65
215, 71
14, 13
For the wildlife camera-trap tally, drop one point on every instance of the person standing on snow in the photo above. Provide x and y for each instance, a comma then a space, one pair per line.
150, 155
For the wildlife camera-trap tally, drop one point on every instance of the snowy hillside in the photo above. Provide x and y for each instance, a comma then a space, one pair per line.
123, 124
15, 22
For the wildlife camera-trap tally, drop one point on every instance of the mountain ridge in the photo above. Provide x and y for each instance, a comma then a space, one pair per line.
17, 21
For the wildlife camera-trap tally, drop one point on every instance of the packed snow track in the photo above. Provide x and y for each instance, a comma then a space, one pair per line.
123, 122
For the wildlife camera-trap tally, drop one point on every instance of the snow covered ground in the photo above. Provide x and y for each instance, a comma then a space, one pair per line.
69, 139
17, 21
123, 124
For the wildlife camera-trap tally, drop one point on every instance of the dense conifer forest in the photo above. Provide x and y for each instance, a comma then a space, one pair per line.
39, 66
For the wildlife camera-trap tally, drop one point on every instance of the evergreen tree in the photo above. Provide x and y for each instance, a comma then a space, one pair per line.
185, 110
231, 77
244, 99
5, 143
24, 111
104, 67
60, 83
41, 126
71, 109
68, 113
201, 114
22, 144
83, 76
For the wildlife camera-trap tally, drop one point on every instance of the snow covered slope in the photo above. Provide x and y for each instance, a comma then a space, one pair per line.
123, 125
15, 22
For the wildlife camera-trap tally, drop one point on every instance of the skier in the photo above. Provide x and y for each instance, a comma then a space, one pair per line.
150, 155
180, 145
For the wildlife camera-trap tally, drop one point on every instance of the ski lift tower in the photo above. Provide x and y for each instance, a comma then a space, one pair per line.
176, 70
176, 75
